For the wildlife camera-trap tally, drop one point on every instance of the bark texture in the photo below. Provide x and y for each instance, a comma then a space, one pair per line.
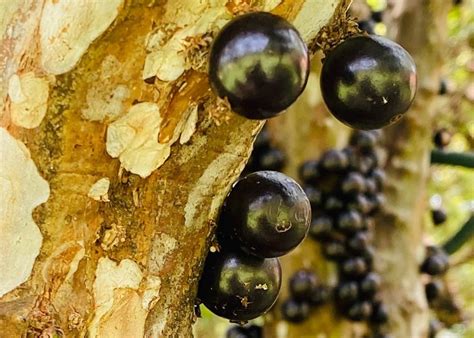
107, 119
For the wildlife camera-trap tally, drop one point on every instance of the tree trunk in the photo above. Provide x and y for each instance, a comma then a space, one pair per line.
115, 158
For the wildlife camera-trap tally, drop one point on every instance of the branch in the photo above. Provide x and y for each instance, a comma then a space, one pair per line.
461, 237
452, 158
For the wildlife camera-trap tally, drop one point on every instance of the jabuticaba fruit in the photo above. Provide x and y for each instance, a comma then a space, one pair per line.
368, 82
259, 62
238, 286
267, 214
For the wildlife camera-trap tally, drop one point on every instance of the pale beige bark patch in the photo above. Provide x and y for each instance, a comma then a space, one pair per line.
99, 190
68, 28
22, 189
29, 99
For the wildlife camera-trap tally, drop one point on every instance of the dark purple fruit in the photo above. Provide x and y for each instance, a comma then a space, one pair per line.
358, 243
320, 228
302, 284
350, 221
363, 139
254, 331
333, 204
314, 195
353, 183
378, 175
321, 295
334, 250
435, 265
354, 267
433, 290
370, 284
379, 313
309, 172
359, 311
239, 287
371, 185
360, 203
377, 16
259, 62
442, 138
377, 201
438, 216
267, 214
295, 311
347, 292
367, 26
368, 82
273, 159
236, 332
334, 160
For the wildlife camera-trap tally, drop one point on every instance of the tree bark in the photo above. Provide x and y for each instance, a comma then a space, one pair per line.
115, 159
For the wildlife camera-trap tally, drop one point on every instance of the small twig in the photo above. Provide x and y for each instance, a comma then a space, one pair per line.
465, 233
452, 158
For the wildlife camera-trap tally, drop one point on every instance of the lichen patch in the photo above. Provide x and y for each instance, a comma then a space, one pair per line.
99, 190
67, 29
22, 189
29, 99
133, 138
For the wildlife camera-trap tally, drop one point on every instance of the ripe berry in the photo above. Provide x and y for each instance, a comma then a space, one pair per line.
254, 331
368, 82
358, 243
442, 138
363, 139
334, 250
359, 311
347, 292
302, 284
273, 159
353, 183
378, 175
360, 203
367, 26
259, 62
354, 267
379, 313
321, 226
333, 204
314, 195
322, 294
236, 332
435, 265
377, 16
350, 221
377, 201
439, 216
239, 287
267, 214
309, 172
294, 311
334, 160
433, 290
370, 284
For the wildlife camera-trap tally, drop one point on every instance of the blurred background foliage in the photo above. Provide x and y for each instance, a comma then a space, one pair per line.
450, 187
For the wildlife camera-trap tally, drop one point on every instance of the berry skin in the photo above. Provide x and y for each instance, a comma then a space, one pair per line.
368, 82
358, 243
378, 175
236, 332
231, 284
309, 172
302, 284
259, 62
350, 221
442, 138
294, 311
434, 265
347, 292
334, 160
433, 290
267, 214
353, 183
379, 313
354, 267
254, 331
438, 216
321, 295
321, 227
370, 284
334, 250
273, 159
359, 311
314, 195
377, 16
363, 139
333, 204
360, 203
367, 26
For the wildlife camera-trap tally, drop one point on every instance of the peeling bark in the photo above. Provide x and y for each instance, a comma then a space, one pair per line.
133, 245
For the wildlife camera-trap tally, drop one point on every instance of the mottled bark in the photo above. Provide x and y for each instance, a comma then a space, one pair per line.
100, 93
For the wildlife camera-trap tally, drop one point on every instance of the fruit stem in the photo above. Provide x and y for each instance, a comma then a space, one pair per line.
452, 158
462, 236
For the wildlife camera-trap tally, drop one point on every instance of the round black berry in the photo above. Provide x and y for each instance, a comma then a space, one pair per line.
379, 313
358, 243
378, 175
370, 284
321, 295
354, 267
433, 290
350, 221
314, 195
334, 250
254, 331
363, 139
334, 160
439, 216
239, 287
435, 265
367, 26
267, 214
295, 311
302, 284
236, 332
359, 311
347, 292
360, 203
368, 82
259, 62
353, 183
321, 227
273, 159
377, 16
333, 204
309, 172
442, 138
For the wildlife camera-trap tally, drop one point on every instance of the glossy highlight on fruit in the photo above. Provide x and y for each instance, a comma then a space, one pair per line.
267, 214
259, 62
237, 286
368, 82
